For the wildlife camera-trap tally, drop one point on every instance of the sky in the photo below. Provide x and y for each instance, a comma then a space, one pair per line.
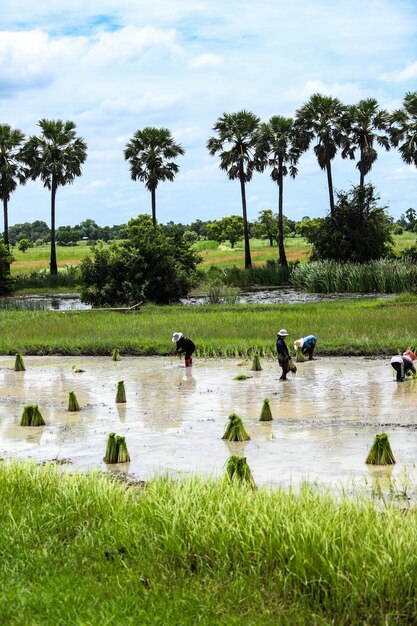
116, 66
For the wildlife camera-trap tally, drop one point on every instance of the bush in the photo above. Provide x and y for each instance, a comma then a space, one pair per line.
7, 283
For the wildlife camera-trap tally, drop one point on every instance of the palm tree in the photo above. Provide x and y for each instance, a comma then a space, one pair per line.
280, 147
323, 119
55, 157
12, 169
236, 145
403, 129
150, 152
364, 120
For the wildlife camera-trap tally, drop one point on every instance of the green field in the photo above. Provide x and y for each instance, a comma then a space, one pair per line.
87, 550
351, 327
222, 256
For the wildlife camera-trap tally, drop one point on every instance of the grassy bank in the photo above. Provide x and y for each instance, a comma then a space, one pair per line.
352, 327
84, 549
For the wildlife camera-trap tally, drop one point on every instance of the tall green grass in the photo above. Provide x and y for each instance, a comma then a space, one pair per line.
384, 276
350, 327
85, 549
68, 276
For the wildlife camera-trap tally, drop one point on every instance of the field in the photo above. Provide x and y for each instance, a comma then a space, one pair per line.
222, 256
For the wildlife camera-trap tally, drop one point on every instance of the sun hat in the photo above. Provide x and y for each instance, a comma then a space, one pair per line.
176, 337
282, 333
411, 354
298, 343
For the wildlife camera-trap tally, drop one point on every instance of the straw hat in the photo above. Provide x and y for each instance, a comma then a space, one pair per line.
176, 337
282, 333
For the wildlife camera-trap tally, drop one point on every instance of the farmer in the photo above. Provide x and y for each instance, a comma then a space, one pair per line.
184, 346
284, 358
404, 365
307, 345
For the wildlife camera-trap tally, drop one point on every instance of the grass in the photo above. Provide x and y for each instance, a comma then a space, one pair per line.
350, 327
86, 549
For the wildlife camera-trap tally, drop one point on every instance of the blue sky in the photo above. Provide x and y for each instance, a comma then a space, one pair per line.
116, 66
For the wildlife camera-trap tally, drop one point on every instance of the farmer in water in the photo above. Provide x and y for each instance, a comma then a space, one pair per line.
404, 365
307, 345
184, 346
284, 358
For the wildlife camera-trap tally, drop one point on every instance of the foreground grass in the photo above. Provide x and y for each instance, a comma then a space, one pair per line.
83, 549
351, 327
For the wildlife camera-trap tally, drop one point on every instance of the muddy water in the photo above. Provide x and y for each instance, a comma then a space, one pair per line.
325, 418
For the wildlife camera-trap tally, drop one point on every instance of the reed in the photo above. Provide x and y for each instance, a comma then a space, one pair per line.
256, 363
73, 402
19, 365
266, 413
380, 453
116, 355
235, 430
121, 393
238, 471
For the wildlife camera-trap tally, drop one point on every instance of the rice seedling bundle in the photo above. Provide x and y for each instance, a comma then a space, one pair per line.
121, 393
116, 355
19, 366
122, 452
266, 413
380, 453
256, 363
111, 449
235, 430
238, 470
31, 416
292, 366
299, 356
73, 402
242, 377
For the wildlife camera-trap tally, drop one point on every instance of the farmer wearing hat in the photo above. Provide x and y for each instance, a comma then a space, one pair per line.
307, 345
404, 364
284, 358
184, 346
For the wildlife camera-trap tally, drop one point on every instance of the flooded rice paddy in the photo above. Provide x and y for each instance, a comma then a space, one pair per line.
325, 418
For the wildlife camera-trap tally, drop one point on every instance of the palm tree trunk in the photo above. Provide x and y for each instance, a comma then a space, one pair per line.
282, 256
53, 264
330, 185
248, 260
6, 229
362, 175
153, 196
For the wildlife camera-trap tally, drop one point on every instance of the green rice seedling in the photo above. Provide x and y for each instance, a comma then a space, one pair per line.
77, 370
111, 449
37, 419
235, 430
266, 413
19, 366
380, 453
256, 363
121, 393
299, 356
292, 366
122, 452
73, 402
26, 419
242, 377
238, 470
243, 362
116, 355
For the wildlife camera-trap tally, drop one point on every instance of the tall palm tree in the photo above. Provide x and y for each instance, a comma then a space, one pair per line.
323, 118
280, 147
403, 128
367, 124
150, 153
12, 169
236, 146
55, 156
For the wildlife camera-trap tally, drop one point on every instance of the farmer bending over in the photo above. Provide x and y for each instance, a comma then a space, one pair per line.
404, 365
284, 358
184, 346
307, 345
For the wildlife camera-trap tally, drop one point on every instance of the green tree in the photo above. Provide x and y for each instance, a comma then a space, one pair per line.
323, 118
151, 264
280, 146
55, 156
403, 129
229, 228
7, 283
23, 245
12, 169
236, 145
150, 153
359, 229
367, 125
267, 225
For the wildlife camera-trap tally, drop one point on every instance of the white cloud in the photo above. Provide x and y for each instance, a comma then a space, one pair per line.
205, 60
407, 73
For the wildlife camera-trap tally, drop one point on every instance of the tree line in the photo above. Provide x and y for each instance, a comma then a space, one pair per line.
241, 141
